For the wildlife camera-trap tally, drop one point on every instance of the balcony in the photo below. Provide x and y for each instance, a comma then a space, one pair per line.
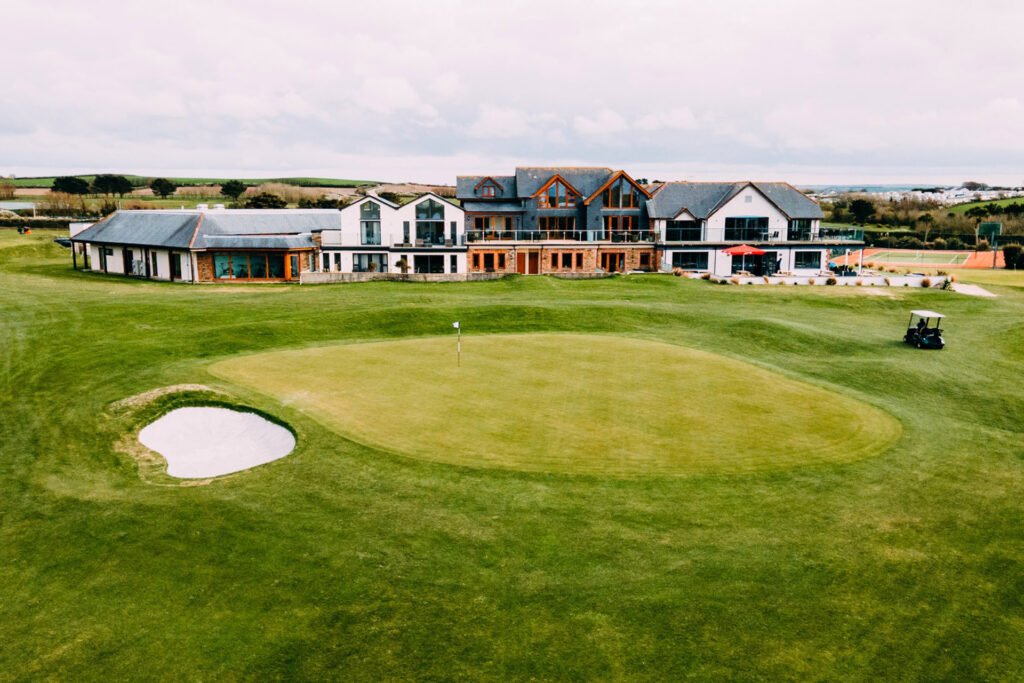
624, 237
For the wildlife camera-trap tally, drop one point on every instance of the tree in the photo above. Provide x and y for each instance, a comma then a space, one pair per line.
392, 197
110, 184
1012, 256
862, 210
69, 184
974, 185
265, 200
163, 187
981, 211
233, 189
926, 222
7, 190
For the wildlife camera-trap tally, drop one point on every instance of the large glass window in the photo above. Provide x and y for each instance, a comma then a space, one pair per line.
617, 228
430, 222
488, 260
493, 227
433, 263
557, 195
369, 223
746, 228
557, 227
221, 266
690, 260
682, 231
275, 265
621, 195
258, 266
807, 259
370, 263
239, 265
799, 229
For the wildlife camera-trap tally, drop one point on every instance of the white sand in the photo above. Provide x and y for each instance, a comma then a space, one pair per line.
973, 290
208, 442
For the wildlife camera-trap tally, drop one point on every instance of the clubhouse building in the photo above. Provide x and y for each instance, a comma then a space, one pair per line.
539, 220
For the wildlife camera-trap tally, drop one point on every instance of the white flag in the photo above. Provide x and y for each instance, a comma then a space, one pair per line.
455, 325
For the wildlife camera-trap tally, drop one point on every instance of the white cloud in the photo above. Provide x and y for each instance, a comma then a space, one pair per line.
605, 122
680, 118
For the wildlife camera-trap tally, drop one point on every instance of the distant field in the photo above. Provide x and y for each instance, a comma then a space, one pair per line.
962, 208
145, 180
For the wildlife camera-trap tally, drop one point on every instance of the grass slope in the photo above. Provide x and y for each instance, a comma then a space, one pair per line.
533, 402
344, 561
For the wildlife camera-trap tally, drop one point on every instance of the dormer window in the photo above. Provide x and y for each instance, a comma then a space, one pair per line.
488, 191
488, 188
621, 194
557, 195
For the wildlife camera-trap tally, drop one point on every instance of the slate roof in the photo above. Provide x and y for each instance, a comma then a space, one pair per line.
703, 199
465, 184
217, 228
587, 180
172, 229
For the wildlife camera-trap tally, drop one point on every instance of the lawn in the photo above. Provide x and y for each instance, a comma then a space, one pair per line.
347, 559
963, 208
47, 181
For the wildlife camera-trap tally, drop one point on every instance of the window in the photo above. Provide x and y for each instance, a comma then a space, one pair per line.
488, 261
488, 191
807, 259
369, 223
799, 229
557, 227
557, 195
176, 266
579, 259
369, 263
453, 264
256, 265
566, 260
492, 227
337, 261
616, 228
690, 260
327, 262
746, 228
433, 263
152, 258
620, 195
645, 259
554, 260
748, 199
682, 231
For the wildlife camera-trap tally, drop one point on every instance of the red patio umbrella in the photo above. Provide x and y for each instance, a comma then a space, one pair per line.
743, 250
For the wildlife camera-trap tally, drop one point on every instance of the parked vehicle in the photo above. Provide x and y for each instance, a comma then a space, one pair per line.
925, 333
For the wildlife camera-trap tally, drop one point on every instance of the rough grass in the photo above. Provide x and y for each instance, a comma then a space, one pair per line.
567, 403
343, 561
47, 181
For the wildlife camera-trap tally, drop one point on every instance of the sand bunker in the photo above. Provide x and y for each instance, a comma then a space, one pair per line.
208, 442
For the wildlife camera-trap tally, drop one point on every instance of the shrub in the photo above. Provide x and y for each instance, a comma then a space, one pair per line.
705, 276
925, 282
1012, 255
735, 280
677, 271
859, 283
811, 281
830, 281
767, 280
888, 283
940, 244
982, 245
955, 243
869, 264
952, 278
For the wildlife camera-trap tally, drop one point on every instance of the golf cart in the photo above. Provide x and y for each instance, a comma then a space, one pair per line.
922, 336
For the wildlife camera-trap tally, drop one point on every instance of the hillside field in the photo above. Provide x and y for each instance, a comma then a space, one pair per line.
441, 526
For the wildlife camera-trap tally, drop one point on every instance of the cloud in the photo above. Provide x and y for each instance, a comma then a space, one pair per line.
680, 118
605, 122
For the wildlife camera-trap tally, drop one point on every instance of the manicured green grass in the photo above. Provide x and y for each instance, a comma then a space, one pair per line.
347, 561
532, 402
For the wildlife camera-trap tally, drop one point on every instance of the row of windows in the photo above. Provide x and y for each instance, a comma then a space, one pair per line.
567, 260
698, 260
487, 260
430, 210
378, 263
254, 265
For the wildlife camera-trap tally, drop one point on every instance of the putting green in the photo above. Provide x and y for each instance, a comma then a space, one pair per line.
567, 403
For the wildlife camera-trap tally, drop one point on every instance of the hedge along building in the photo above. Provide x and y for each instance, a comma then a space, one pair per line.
697, 222
556, 220
375, 235
204, 245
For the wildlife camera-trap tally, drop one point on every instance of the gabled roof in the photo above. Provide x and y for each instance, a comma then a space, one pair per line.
379, 200
492, 180
466, 186
703, 199
263, 222
616, 176
557, 179
585, 180
493, 207
434, 195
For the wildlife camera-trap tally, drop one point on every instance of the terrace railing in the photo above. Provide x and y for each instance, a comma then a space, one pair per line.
562, 235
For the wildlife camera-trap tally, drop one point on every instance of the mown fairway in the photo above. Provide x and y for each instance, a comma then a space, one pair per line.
567, 403
342, 560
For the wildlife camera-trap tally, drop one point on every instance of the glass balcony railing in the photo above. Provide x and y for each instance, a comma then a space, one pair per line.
562, 235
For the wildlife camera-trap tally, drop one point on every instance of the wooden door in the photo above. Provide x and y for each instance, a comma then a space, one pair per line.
534, 267
521, 262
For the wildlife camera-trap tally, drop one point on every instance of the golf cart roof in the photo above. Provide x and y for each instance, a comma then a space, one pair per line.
927, 314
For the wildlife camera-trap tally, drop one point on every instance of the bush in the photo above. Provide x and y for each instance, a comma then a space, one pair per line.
811, 280
926, 282
705, 276
940, 244
955, 243
830, 281
735, 280
888, 283
859, 283
677, 271
1012, 254
982, 245
265, 200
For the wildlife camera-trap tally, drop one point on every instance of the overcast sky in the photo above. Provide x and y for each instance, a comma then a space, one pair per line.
811, 92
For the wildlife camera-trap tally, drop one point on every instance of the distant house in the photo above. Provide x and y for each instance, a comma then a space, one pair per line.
698, 222
204, 245
375, 234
